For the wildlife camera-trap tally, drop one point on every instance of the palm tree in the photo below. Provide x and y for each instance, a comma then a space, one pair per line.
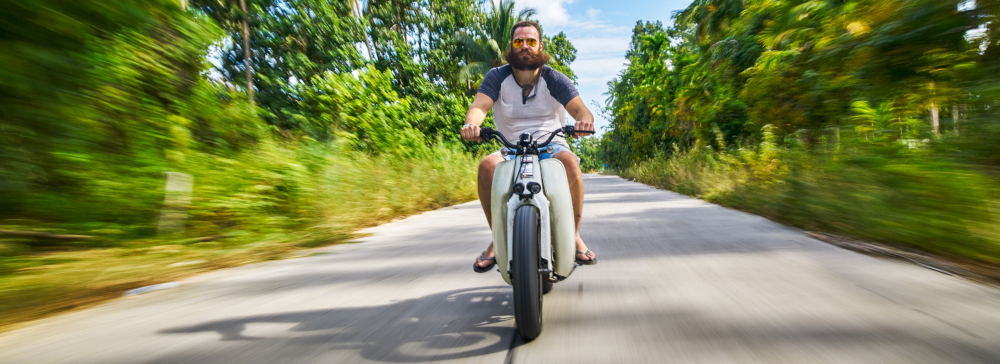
487, 49
710, 18
885, 120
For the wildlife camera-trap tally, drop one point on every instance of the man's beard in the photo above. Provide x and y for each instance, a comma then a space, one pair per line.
527, 59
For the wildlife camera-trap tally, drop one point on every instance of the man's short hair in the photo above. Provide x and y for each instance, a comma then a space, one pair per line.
526, 23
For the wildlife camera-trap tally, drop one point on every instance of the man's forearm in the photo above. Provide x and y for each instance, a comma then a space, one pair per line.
475, 116
584, 115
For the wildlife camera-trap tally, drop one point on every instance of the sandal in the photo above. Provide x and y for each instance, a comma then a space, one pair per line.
482, 257
586, 262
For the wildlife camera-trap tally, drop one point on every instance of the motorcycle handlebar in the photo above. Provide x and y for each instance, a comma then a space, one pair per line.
489, 133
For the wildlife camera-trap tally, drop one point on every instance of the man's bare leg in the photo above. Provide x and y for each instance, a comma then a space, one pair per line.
486, 168
575, 178
573, 175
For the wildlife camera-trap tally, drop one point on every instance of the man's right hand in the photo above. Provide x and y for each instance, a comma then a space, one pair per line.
470, 133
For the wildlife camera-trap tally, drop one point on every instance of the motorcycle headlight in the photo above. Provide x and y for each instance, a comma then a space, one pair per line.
534, 187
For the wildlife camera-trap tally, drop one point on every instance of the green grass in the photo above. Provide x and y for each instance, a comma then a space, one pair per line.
270, 203
899, 197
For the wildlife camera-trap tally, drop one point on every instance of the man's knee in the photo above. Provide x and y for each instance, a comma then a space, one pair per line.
488, 165
569, 161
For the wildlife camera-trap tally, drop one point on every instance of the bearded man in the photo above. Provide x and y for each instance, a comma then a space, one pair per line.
528, 97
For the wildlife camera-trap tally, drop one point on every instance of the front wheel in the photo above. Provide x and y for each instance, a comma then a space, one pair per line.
526, 278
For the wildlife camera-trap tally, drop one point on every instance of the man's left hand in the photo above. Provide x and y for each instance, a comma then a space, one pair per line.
583, 126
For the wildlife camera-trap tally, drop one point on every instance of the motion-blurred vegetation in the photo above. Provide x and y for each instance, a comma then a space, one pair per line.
870, 118
319, 117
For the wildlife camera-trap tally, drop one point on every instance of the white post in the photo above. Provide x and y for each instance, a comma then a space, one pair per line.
935, 121
176, 200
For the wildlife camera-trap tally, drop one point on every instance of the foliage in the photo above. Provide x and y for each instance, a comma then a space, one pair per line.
587, 149
486, 49
825, 114
563, 53
887, 195
269, 203
353, 122
291, 42
795, 64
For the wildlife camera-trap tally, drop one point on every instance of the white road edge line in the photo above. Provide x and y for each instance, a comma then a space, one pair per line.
155, 287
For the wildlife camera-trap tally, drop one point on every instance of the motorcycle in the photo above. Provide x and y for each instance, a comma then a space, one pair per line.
534, 231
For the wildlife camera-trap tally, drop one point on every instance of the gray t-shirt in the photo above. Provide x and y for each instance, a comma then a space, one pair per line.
544, 109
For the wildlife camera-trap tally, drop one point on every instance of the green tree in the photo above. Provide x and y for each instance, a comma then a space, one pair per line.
563, 54
291, 41
88, 88
796, 65
485, 49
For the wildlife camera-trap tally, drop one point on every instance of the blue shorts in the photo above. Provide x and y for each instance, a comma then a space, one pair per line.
556, 148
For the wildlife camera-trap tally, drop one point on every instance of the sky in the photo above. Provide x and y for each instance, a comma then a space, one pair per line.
601, 31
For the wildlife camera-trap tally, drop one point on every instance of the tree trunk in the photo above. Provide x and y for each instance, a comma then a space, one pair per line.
430, 39
371, 27
368, 43
836, 138
399, 23
963, 112
954, 117
420, 42
246, 52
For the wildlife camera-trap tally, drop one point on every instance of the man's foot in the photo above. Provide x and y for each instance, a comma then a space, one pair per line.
485, 261
583, 255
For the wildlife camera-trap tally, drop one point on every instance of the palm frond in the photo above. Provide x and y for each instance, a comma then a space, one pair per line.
473, 71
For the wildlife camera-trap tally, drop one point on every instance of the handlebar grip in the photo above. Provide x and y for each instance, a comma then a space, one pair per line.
571, 130
486, 133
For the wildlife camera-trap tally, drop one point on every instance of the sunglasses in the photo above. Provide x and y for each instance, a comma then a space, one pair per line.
519, 42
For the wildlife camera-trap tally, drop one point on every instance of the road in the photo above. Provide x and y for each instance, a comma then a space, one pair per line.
678, 280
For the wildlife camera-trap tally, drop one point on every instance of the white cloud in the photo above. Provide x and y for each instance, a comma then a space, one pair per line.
592, 13
599, 70
609, 65
550, 13
587, 46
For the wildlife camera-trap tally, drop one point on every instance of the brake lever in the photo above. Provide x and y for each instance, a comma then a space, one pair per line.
488, 134
571, 131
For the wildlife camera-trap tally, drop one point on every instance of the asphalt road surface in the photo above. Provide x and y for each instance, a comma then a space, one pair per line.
678, 280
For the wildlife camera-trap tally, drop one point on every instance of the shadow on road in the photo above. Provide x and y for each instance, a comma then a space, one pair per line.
448, 325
